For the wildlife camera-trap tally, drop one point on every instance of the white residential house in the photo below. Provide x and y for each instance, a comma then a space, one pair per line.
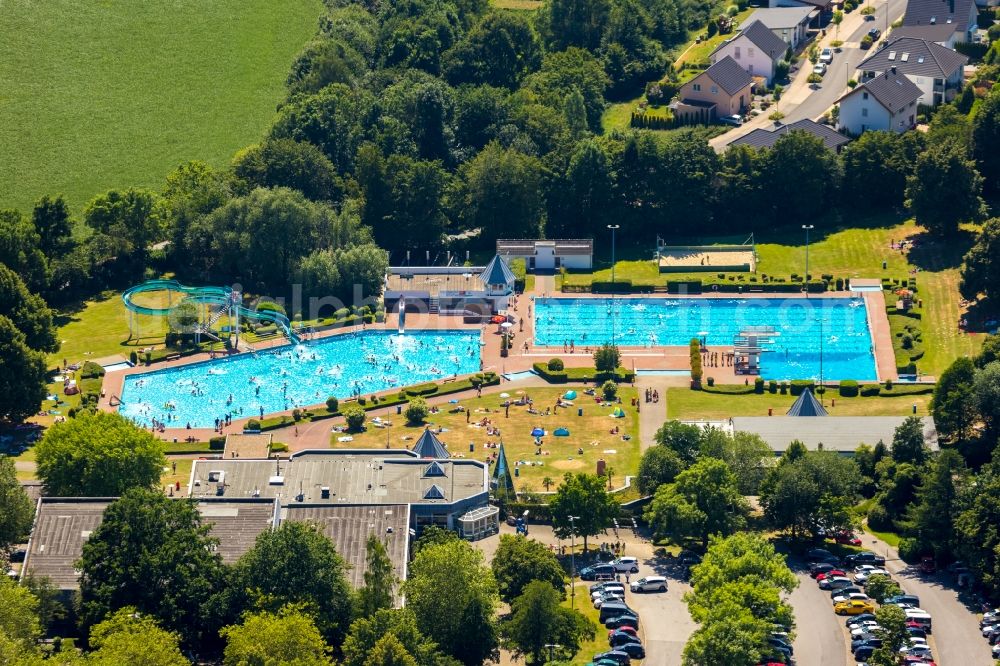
958, 16
756, 49
936, 70
886, 102
790, 24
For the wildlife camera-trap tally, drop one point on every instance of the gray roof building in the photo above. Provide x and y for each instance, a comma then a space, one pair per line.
764, 39
891, 89
842, 434
915, 57
728, 75
777, 18
63, 525
765, 138
932, 12
932, 32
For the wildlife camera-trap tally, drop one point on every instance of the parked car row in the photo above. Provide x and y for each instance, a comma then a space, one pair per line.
846, 581
621, 621
990, 627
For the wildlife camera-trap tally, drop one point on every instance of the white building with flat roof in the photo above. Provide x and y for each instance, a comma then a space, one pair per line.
549, 255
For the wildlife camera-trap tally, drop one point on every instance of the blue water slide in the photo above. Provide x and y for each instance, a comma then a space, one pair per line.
207, 295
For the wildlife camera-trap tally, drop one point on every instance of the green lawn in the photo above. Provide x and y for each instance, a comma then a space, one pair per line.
857, 251
698, 53
96, 95
600, 641
685, 404
589, 432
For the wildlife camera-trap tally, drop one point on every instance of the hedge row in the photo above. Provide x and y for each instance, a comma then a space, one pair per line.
620, 375
728, 389
848, 388
695, 352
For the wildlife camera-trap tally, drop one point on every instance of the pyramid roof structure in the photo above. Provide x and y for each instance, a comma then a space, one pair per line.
429, 446
497, 272
502, 479
806, 405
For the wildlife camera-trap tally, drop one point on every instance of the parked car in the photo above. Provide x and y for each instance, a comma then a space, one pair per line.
626, 565
817, 568
851, 621
605, 588
873, 640
633, 650
820, 68
996, 651
591, 572
832, 573
614, 609
629, 620
734, 120
820, 555
649, 584
854, 607
781, 645
621, 638
869, 17
835, 583
874, 33
864, 557
863, 653
608, 598
845, 537
826, 56
626, 629
927, 565
851, 596
865, 575
616, 656
844, 591
865, 629
917, 617
911, 600
917, 651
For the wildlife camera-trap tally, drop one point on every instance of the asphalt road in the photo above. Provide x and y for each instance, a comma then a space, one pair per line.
819, 637
665, 622
844, 64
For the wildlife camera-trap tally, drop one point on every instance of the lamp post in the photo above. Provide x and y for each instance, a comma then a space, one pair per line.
614, 228
808, 228
572, 559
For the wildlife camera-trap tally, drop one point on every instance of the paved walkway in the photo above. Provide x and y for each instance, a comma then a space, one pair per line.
652, 414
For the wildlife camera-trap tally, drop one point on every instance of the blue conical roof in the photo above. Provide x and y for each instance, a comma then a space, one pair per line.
502, 479
806, 405
429, 446
497, 272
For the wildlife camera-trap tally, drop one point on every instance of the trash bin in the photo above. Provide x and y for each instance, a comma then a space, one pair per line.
472, 447
517, 471
399, 409
579, 411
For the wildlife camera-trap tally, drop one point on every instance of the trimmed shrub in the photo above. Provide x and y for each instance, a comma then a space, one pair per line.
758, 385
556, 364
800, 385
728, 389
133, 358
910, 550
783, 388
869, 390
696, 372
297, 415
609, 390
278, 447
878, 519
888, 385
355, 417
332, 404
772, 387
422, 389
270, 306
848, 388
252, 424
217, 443
416, 411
91, 370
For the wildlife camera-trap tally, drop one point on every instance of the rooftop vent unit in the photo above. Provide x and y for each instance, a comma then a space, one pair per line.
220, 490
276, 480
324, 492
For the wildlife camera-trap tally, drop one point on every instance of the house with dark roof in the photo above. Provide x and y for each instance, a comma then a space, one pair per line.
756, 49
724, 89
765, 138
936, 70
939, 33
961, 15
790, 24
886, 102
464, 290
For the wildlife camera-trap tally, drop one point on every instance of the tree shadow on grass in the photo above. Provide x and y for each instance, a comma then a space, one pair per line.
69, 312
932, 253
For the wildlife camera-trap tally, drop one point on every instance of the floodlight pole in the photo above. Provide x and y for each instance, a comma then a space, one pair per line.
808, 228
614, 228
572, 559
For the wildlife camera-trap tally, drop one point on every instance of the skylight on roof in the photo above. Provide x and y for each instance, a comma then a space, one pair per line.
904, 57
920, 59
892, 55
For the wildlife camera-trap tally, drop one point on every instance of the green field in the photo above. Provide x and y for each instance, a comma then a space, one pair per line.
687, 405
96, 95
560, 454
842, 252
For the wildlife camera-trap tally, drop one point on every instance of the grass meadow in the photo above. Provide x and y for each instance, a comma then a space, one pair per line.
97, 95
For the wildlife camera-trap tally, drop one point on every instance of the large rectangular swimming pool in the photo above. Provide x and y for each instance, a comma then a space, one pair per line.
288, 377
836, 327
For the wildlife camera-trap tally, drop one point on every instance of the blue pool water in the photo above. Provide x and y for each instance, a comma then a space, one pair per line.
841, 323
287, 377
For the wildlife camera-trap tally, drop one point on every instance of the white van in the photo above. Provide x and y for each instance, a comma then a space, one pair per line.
920, 617
649, 584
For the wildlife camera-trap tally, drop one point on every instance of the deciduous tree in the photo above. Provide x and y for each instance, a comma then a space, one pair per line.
986, 140
944, 189
287, 637
380, 579
657, 466
953, 404
27, 311
16, 511
981, 267
583, 497
288, 163
146, 536
703, 500
98, 455
129, 637
537, 619
454, 597
23, 374
400, 623
519, 561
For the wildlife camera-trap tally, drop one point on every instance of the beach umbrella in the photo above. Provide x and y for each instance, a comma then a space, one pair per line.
453, 401
505, 395
561, 432
618, 413
537, 432
570, 395
506, 324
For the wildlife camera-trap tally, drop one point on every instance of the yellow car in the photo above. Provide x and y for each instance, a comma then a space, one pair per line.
854, 607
